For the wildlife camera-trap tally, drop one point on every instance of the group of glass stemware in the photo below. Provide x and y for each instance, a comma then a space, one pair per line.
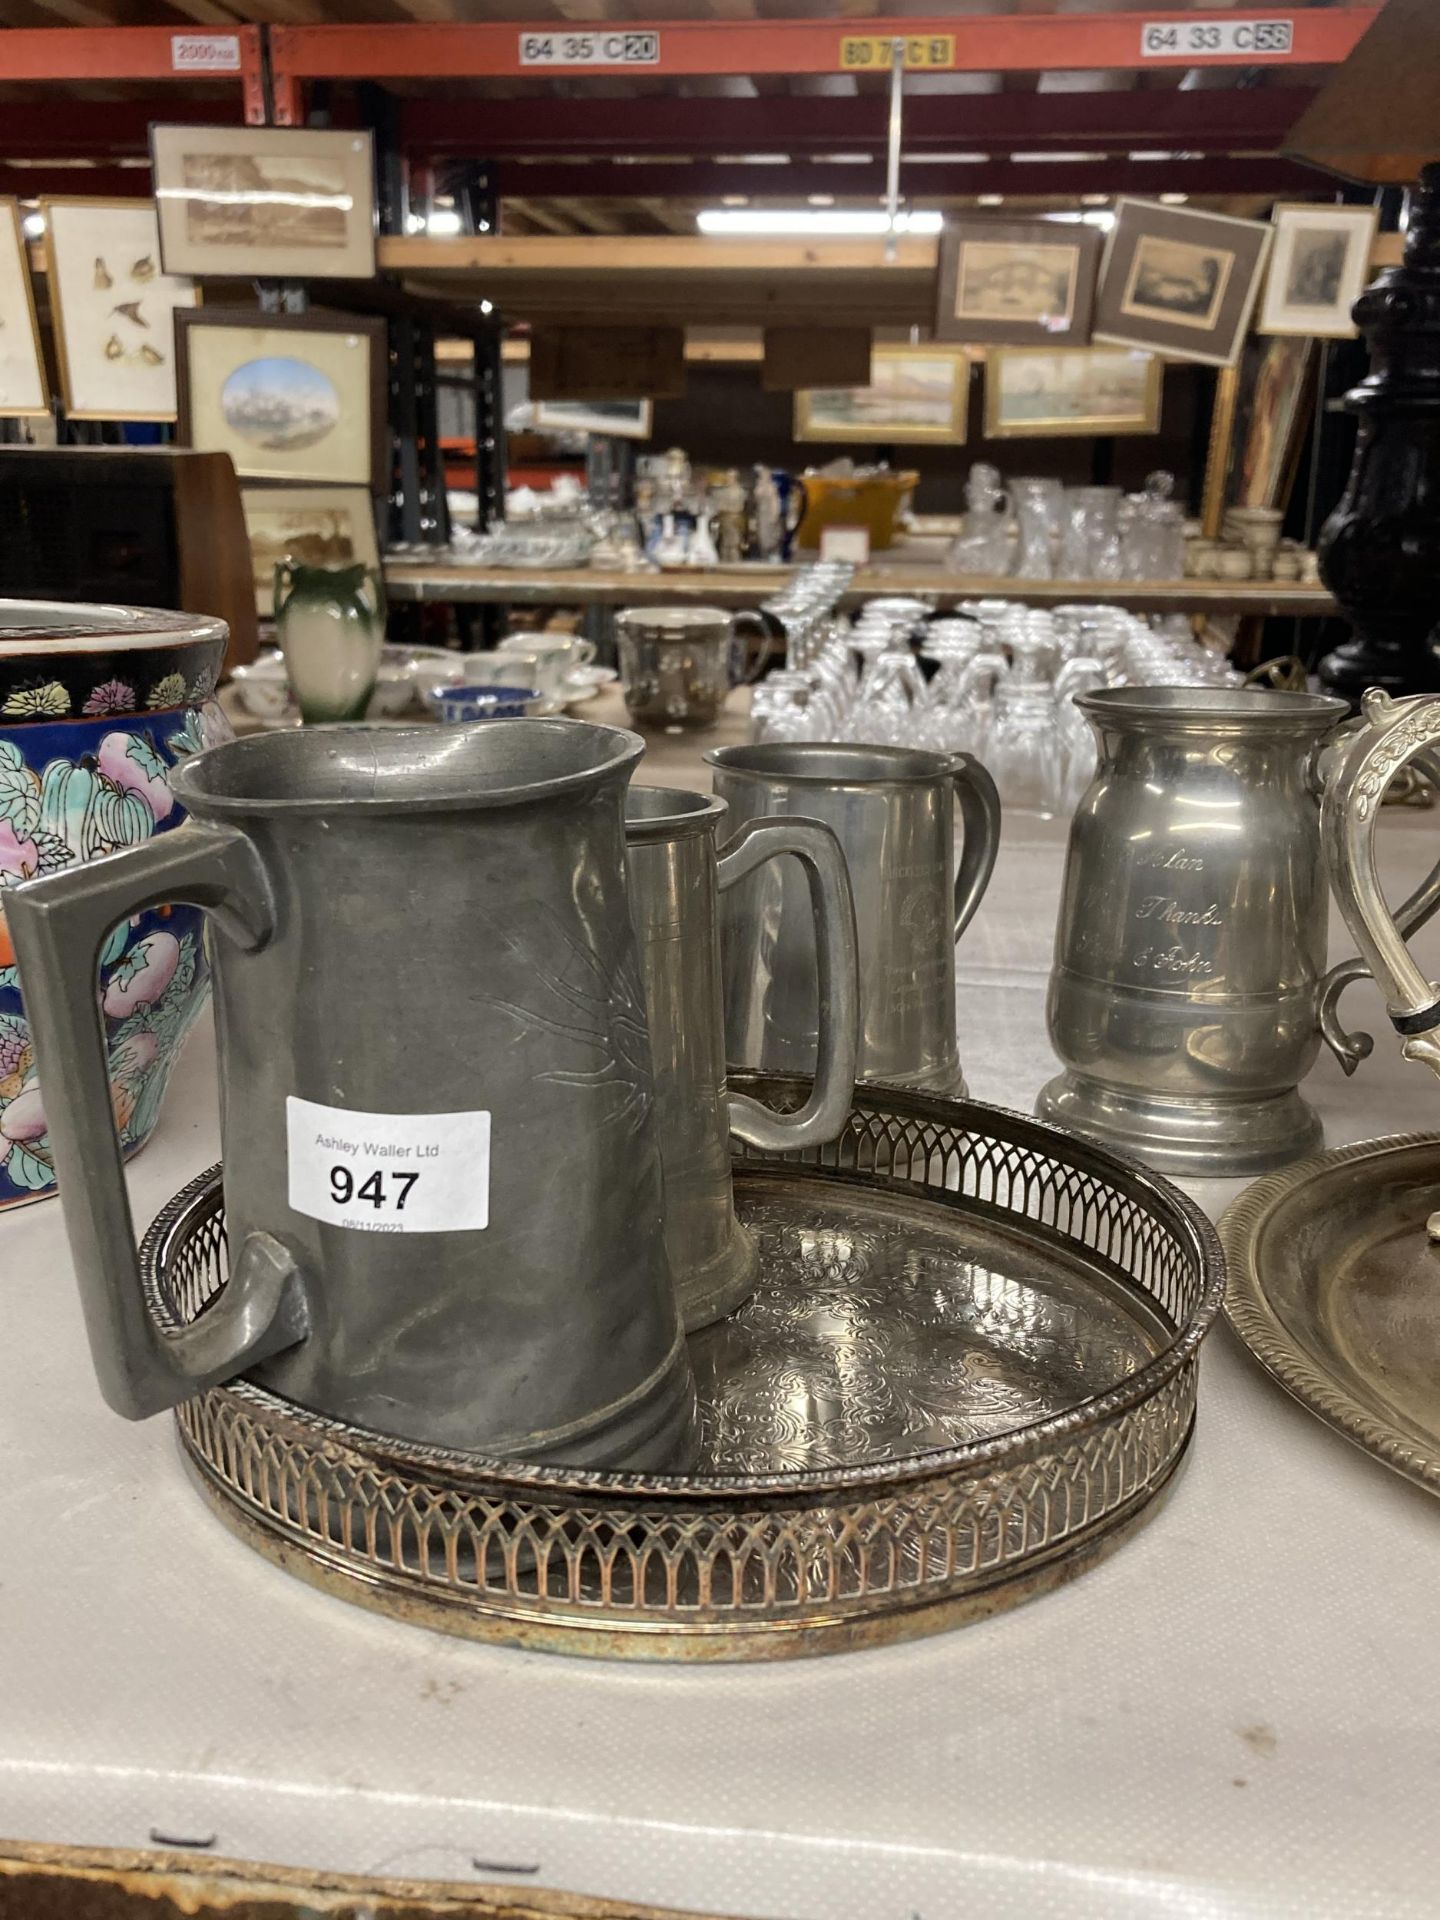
1001, 684
1039, 529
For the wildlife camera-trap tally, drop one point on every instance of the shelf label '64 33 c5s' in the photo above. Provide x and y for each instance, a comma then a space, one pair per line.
1187, 39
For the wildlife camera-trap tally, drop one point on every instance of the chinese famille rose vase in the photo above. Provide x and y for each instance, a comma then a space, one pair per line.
97, 704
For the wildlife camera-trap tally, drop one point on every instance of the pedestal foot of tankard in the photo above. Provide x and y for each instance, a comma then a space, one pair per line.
714, 1291
1187, 1139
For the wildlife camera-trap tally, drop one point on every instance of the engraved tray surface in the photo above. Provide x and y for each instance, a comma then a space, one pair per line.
967, 1369
1335, 1288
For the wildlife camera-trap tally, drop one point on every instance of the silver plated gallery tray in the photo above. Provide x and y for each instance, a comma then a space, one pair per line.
968, 1369
1335, 1288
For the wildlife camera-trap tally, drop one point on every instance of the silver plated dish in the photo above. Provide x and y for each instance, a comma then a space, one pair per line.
1335, 1288
968, 1369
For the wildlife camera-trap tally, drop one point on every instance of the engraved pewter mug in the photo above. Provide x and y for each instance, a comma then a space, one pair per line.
677, 876
1361, 766
430, 1021
1189, 995
893, 811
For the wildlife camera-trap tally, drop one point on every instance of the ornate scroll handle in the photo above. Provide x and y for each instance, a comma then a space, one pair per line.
1364, 761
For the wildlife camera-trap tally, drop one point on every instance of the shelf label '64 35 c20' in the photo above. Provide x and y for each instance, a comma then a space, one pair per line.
609, 47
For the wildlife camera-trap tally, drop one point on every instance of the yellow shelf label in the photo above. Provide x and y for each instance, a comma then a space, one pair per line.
873, 52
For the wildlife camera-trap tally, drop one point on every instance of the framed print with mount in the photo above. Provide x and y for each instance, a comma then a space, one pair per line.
615, 419
1046, 392
916, 395
111, 308
24, 393
265, 202
1319, 267
1024, 283
316, 526
1178, 282
289, 396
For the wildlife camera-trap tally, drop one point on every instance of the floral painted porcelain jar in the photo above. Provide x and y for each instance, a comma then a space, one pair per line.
97, 704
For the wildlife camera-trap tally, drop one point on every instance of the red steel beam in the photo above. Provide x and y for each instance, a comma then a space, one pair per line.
1233, 120
1029, 43
101, 129
137, 53
711, 180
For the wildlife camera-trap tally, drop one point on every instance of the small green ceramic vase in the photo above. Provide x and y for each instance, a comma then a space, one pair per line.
330, 623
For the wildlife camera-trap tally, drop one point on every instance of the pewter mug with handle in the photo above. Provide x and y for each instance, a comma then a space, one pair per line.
893, 811
1189, 995
1362, 764
677, 877
430, 1021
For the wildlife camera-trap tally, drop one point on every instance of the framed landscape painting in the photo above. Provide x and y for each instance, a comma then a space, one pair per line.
1045, 391
265, 202
916, 395
23, 390
1017, 282
1319, 267
113, 309
316, 526
289, 396
619, 419
1180, 283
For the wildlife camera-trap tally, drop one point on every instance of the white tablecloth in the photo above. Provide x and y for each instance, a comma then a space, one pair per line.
1237, 1714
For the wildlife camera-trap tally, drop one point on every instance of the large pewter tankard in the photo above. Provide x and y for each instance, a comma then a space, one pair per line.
893, 810
1189, 997
442, 1179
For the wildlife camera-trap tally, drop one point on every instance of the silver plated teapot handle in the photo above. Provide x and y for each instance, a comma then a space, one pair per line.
1357, 772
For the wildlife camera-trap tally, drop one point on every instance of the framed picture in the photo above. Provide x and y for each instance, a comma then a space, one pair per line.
619, 419
265, 202
1018, 282
23, 390
112, 309
318, 526
289, 396
1180, 283
1047, 391
1277, 397
1319, 267
915, 395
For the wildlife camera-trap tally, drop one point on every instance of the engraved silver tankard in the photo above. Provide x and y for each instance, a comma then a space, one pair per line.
677, 876
1189, 995
893, 810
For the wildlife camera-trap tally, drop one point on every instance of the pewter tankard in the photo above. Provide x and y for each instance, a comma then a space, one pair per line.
431, 1022
893, 812
1189, 996
676, 880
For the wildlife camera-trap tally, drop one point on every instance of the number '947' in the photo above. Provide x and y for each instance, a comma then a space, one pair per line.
381, 1190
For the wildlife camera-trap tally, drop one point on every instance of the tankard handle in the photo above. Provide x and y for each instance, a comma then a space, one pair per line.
1357, 772
979, 804
59, 925
837, 968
